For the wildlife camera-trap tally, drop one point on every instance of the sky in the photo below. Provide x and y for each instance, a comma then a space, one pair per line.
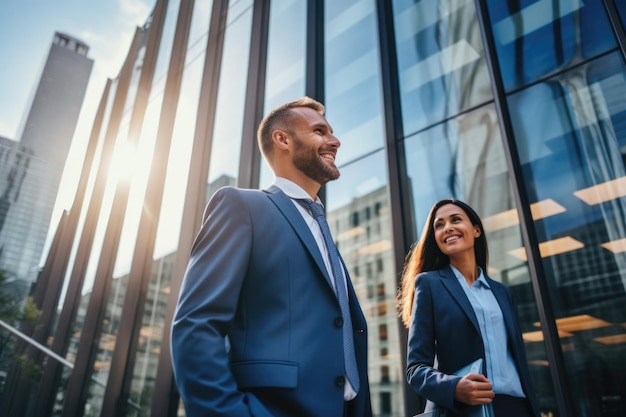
27, 29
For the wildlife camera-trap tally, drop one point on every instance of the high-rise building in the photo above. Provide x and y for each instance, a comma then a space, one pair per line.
514, 107
31, 168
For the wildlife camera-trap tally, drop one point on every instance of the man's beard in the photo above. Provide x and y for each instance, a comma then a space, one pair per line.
310, 163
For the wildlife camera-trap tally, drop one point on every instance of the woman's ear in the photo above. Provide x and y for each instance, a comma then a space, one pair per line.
476, 231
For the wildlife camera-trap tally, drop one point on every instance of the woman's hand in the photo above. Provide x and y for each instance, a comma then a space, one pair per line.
474, 389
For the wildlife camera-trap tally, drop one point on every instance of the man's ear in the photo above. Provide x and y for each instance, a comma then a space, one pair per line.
281, 139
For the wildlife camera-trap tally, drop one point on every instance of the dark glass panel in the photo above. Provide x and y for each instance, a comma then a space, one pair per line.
227, 133
370, 261
285, 61
536, 38
571, 135
464, 159
353, 85
441, 66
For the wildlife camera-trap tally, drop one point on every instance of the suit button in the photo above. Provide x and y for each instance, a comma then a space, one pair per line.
338, 321
340, 381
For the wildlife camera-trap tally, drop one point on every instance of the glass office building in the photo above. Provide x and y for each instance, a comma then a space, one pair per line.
516, 107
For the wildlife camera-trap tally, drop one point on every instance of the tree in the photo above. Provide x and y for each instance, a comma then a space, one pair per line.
13, 314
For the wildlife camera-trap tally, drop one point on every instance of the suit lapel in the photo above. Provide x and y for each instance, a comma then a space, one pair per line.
291, 213
451, 283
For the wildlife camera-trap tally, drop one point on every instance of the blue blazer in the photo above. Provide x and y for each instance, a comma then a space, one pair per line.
444, 336
257, 329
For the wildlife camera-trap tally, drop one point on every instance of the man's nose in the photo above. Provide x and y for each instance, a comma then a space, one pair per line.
334, 141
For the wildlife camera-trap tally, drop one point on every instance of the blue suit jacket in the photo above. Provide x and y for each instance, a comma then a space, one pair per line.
444, 329
258, 329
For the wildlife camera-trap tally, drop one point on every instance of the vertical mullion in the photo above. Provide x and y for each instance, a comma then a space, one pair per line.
399, 198
56, 265
123, 360
62, 334
250, 162
616, 24
78, 383
314, 85
165, 396
537, 273
314, 76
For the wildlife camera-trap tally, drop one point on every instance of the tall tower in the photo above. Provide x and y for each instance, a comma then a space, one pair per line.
31, 169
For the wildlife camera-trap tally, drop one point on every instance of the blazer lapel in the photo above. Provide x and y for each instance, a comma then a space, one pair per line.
291, 213
451, 283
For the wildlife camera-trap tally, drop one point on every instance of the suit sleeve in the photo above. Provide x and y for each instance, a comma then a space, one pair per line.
206, 306
427, 381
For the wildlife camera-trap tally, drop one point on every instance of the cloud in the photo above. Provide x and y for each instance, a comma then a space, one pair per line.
110, 48
134, 12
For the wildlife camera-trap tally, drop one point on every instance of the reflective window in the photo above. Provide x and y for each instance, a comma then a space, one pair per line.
366, 244
227, 134
150, 337
352, 61
354, 109
167, 237
441, 64
536, 38
572, 144
464, 159
167, 40
621, 9
183, 134
130, 164
285, 61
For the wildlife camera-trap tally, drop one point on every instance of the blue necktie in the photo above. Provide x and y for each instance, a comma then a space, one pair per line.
340, 289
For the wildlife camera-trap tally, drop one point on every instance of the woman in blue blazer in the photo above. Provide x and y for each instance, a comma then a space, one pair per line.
457, 314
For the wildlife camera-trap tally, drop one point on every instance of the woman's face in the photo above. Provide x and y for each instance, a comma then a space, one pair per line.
454, 232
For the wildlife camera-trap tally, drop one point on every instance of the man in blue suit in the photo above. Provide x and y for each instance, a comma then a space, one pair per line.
258, 329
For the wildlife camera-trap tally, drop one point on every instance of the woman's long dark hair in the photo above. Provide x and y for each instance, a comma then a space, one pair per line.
425, 255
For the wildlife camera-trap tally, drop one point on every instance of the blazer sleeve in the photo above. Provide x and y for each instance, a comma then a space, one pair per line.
206, 306
430, 383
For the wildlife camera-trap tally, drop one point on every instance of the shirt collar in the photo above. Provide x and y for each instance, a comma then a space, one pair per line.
481, 277
293, 190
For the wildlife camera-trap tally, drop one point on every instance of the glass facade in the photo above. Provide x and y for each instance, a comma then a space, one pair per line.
514, 107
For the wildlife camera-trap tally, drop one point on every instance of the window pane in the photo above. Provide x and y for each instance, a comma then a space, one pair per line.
441, 65
285, 61
352, 69
366, 245
464, 159
227, 134
536, 38
572, 142
621, 10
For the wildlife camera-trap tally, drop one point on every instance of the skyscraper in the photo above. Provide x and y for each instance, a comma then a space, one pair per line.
31, 168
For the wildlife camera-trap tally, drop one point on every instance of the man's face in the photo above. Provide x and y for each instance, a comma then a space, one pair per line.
315, 146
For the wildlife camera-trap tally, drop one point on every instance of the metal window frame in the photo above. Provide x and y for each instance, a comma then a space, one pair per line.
87, 345
540, 288
250, 158
399, 195
62, 334
119, 382
616, 24
165, 397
